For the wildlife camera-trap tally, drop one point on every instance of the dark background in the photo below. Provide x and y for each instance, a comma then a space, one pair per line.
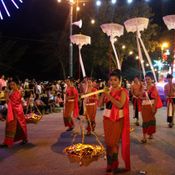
37, 18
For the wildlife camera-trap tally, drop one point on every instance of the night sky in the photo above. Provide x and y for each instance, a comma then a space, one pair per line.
39, 17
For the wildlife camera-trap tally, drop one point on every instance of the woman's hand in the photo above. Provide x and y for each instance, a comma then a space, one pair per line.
106, 90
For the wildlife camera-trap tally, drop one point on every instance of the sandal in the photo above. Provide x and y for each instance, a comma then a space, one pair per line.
24, 142
143, 141
150, 137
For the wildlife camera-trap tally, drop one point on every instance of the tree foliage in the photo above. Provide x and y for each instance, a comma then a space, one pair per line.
100, 51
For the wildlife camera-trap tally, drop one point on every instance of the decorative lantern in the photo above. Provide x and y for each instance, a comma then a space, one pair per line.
80, 40
113, 30
137, 25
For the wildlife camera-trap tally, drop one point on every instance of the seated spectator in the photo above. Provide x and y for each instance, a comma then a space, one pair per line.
51, 101
39, 105
30, 102
59, 101
3, 112
45, 99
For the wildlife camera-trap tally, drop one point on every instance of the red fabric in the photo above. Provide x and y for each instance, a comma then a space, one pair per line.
115, 111
10, 116
126, 126
154, 93
169, 100
72, 91
126, 134
8, 141
150, 130
15, 111
138, 102
93, 98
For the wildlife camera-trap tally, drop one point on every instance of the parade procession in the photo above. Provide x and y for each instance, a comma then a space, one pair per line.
87, 87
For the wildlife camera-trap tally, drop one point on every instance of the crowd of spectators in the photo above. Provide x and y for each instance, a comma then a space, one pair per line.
40, 96
44, 96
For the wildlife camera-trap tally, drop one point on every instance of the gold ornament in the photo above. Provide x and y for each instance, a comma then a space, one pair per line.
33, 118
84, 154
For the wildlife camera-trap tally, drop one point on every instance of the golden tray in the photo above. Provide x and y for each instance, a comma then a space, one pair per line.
84, 154
32, 118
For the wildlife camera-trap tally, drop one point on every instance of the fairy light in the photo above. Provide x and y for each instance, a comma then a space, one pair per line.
4, 7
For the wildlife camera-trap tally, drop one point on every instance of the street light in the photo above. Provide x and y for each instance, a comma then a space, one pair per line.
164, 45
71, 4
98, 3
92, 21
123, 47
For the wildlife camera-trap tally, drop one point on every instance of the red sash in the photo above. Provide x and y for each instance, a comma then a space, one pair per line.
154, 93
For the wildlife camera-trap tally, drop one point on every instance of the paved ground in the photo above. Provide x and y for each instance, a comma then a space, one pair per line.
43, 155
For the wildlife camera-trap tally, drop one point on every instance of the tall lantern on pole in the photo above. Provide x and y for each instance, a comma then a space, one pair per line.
169, 21
113, 30
71, 46
136, 25
81, 40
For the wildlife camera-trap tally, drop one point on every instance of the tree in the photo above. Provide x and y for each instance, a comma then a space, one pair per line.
11, 53
100, 49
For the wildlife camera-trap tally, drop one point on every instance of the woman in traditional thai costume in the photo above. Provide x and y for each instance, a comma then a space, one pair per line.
116, 123
90, 107
136, 91
16, 128
169, 91
150, 103
71, 105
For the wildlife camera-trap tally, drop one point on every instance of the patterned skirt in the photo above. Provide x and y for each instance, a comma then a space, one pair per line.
149, 120
68, 110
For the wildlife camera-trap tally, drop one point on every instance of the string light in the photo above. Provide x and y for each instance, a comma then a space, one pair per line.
113, 1
78, 8
130, 1
98, 3
123, 47
92, 21
4, 7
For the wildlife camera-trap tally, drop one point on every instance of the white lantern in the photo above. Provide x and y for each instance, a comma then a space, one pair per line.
169, 21
113, 30
80, 40
137, 25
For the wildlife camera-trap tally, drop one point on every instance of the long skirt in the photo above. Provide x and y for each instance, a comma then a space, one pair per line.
68, 110
91, 110
149, 120
170, 111
16, 130
137, 107
112, 131
113, 134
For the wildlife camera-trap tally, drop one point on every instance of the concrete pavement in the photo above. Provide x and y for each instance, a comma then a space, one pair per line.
43, 155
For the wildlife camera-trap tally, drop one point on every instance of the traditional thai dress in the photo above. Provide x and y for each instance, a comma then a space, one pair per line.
90, 110
148, 116
116, 127
70, 106
170, 109
16, 128
137, 102
170, 89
